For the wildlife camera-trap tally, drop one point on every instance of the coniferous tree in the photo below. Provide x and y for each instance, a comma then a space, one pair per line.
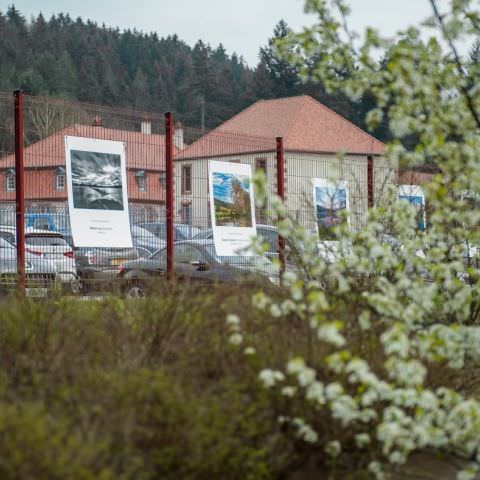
77, 59
284, 77
64, 77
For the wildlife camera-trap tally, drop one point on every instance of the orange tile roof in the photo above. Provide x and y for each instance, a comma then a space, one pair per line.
144, 152
411, 177
304, 123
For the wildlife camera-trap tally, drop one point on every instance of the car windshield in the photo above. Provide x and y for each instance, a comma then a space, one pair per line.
5, 244
187, 231
143, 234
8, 236
237, 260
180, 231
46, 241
204, 234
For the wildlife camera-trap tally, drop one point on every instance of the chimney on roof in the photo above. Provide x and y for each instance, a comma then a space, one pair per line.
97, 121
178, 136
146, 127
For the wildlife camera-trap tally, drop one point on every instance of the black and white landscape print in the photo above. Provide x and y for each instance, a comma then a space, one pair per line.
96, 180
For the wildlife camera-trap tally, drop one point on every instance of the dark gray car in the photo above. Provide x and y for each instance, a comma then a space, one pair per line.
181, 231
266, 233
197, 262
143, 238
98, 267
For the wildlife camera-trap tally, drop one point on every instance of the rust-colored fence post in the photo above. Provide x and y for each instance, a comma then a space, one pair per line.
370, 193
281, 194
169, 191
19, 189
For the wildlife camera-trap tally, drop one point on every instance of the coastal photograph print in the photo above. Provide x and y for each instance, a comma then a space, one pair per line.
414, 195
231, 197
96, 180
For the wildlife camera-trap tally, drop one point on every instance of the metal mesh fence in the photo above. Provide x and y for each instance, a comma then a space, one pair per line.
51, 250
48, 235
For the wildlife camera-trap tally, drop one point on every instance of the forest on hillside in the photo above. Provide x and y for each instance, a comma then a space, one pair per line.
80, 60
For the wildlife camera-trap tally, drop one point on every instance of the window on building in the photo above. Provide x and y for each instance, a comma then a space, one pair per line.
60, 182
186, 213
261, 213
261, 164
187, 179
141, 178
10, 181
163, 178
60, 178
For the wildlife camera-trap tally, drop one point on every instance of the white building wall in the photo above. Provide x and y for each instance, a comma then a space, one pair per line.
199, 197
300, 168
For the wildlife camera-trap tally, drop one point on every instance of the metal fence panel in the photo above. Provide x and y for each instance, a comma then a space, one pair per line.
48, 235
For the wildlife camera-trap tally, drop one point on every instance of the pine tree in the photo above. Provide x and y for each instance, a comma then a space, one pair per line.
77, 59
140, 91
284, 77
263, 86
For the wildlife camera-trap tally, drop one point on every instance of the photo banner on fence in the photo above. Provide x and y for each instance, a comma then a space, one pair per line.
331, 201
232, 207
414, 195
97, 193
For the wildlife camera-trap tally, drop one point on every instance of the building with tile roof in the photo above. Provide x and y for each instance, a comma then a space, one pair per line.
44, 160
318, 143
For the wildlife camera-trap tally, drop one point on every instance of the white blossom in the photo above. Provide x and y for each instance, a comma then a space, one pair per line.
235, 338
333, 448
270, 378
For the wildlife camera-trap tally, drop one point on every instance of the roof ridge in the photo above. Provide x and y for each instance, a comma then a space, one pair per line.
297, 113
303, 95
240, 112
290, 97
346, 120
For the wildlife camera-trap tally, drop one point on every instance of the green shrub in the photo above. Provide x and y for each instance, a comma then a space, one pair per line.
135, 390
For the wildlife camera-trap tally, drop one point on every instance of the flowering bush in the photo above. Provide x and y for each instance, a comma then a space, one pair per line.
387, 383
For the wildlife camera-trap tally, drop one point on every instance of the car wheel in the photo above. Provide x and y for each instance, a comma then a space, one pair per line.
135, 290
76, 286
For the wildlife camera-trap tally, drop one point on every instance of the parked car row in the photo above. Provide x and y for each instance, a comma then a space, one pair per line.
195, 261
86, 269
52, 259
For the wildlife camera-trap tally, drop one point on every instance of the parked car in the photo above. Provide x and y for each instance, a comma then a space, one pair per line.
181, 231
51, 246
141, 237
98, 267
196, 261
267, 233
53, 222
40, 274
8, 233
54, 247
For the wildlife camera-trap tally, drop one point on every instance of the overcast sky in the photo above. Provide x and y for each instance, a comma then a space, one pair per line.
242, 26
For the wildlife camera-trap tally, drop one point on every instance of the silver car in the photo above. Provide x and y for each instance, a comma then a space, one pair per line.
40, 274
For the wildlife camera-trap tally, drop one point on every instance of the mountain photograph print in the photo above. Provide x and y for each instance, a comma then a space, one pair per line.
330, 202
231, 195
96, 180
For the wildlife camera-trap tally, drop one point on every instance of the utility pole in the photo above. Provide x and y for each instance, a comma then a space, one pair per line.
202, 112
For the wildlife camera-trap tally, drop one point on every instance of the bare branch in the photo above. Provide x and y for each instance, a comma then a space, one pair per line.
456, 56
347, 31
